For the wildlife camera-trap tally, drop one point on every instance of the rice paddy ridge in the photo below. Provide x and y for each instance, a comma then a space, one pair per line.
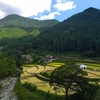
96, 73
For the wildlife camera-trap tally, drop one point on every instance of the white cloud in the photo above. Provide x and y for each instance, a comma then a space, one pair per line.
62, 0
59, 0
29, 7
49, 16
62, 6
1, 14
7, 9
36, 8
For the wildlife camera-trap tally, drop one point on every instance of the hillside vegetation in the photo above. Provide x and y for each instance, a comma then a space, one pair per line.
78, 33
7, 65
17, 33
14, 26
26, 23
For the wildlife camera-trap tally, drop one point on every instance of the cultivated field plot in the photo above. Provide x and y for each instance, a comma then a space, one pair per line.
55, 64
93, 66
28, 75
93, 73
32, 74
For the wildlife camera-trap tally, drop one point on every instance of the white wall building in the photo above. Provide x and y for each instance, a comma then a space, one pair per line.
83, 66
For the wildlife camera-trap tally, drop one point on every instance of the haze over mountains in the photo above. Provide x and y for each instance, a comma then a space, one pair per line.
79, 33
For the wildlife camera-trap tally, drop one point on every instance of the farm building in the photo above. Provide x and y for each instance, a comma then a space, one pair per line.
83, 66
49, 58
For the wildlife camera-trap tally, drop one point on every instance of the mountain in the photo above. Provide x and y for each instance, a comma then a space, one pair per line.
26, 23
80, 32
15, 26
17, 33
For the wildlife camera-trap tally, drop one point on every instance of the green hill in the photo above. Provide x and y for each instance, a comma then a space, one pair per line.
26, 23
17, 33
15, 26
80, 33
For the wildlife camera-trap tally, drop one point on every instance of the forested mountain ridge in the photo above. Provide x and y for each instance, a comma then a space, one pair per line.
15, 26
26, 23
80, 32
17, 33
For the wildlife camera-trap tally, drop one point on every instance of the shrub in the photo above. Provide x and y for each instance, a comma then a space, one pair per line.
30, 86
45, 74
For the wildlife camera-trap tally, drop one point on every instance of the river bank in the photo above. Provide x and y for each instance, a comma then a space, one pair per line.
7, 88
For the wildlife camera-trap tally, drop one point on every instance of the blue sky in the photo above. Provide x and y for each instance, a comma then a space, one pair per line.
45, 9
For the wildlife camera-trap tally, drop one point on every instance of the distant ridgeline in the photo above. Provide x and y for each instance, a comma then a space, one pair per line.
79, 33
17, 26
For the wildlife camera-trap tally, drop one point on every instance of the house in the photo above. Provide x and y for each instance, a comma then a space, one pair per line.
49, 58
83, 66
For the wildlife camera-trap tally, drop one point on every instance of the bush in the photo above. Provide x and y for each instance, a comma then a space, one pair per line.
21, 92
30, 86
45, 74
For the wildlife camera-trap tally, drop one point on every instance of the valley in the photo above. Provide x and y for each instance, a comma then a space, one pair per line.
40, 60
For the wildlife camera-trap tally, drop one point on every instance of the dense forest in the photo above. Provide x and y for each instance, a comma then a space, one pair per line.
78, 33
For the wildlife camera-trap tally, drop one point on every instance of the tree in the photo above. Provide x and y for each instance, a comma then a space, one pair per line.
7, 65
97, 96
89, 91
68, 77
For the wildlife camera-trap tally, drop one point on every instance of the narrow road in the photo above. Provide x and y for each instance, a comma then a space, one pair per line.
7, 92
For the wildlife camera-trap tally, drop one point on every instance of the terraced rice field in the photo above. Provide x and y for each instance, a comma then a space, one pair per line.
30, 72
93, 66
93, 73
28, 76
55, 64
